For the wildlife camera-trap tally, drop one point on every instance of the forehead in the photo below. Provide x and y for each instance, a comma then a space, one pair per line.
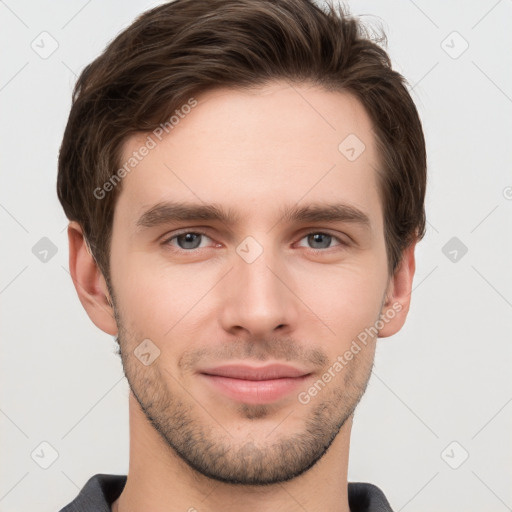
270, 146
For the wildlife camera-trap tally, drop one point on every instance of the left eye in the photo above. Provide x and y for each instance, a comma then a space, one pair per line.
323, 239
191, 240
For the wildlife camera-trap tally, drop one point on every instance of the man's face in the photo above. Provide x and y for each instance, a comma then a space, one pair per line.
256, 288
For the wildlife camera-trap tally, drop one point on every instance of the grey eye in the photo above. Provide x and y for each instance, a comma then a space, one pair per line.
189, 240
323, 239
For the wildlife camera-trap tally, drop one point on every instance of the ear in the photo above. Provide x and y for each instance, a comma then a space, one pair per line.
398, 294
89, 281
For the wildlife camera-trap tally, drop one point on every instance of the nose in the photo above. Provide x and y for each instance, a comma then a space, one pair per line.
257, 298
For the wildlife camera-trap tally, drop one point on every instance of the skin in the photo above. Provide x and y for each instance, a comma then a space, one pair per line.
253, 152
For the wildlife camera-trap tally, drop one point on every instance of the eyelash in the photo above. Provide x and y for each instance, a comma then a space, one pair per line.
167, 241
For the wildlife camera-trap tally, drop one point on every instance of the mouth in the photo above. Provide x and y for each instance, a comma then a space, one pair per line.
255, 385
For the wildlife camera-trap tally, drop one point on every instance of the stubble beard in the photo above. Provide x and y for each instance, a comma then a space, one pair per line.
208, 447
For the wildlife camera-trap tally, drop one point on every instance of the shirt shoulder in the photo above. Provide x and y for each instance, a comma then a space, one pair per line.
102, 490
364, 497
98, 494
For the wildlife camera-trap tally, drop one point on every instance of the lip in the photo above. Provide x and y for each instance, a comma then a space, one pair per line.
255, 385
246, 372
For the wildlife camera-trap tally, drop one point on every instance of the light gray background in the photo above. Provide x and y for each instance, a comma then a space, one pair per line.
445, 377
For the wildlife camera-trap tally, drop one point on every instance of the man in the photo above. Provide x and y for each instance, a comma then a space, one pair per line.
245, 184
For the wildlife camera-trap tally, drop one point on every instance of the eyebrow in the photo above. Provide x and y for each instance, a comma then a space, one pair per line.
167, 212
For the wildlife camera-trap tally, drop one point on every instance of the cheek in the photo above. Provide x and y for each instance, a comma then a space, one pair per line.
157, 300
348, 300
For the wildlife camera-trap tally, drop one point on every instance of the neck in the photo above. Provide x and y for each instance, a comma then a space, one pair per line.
160, 481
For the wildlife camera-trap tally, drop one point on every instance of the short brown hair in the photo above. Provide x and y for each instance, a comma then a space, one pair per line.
182, 48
